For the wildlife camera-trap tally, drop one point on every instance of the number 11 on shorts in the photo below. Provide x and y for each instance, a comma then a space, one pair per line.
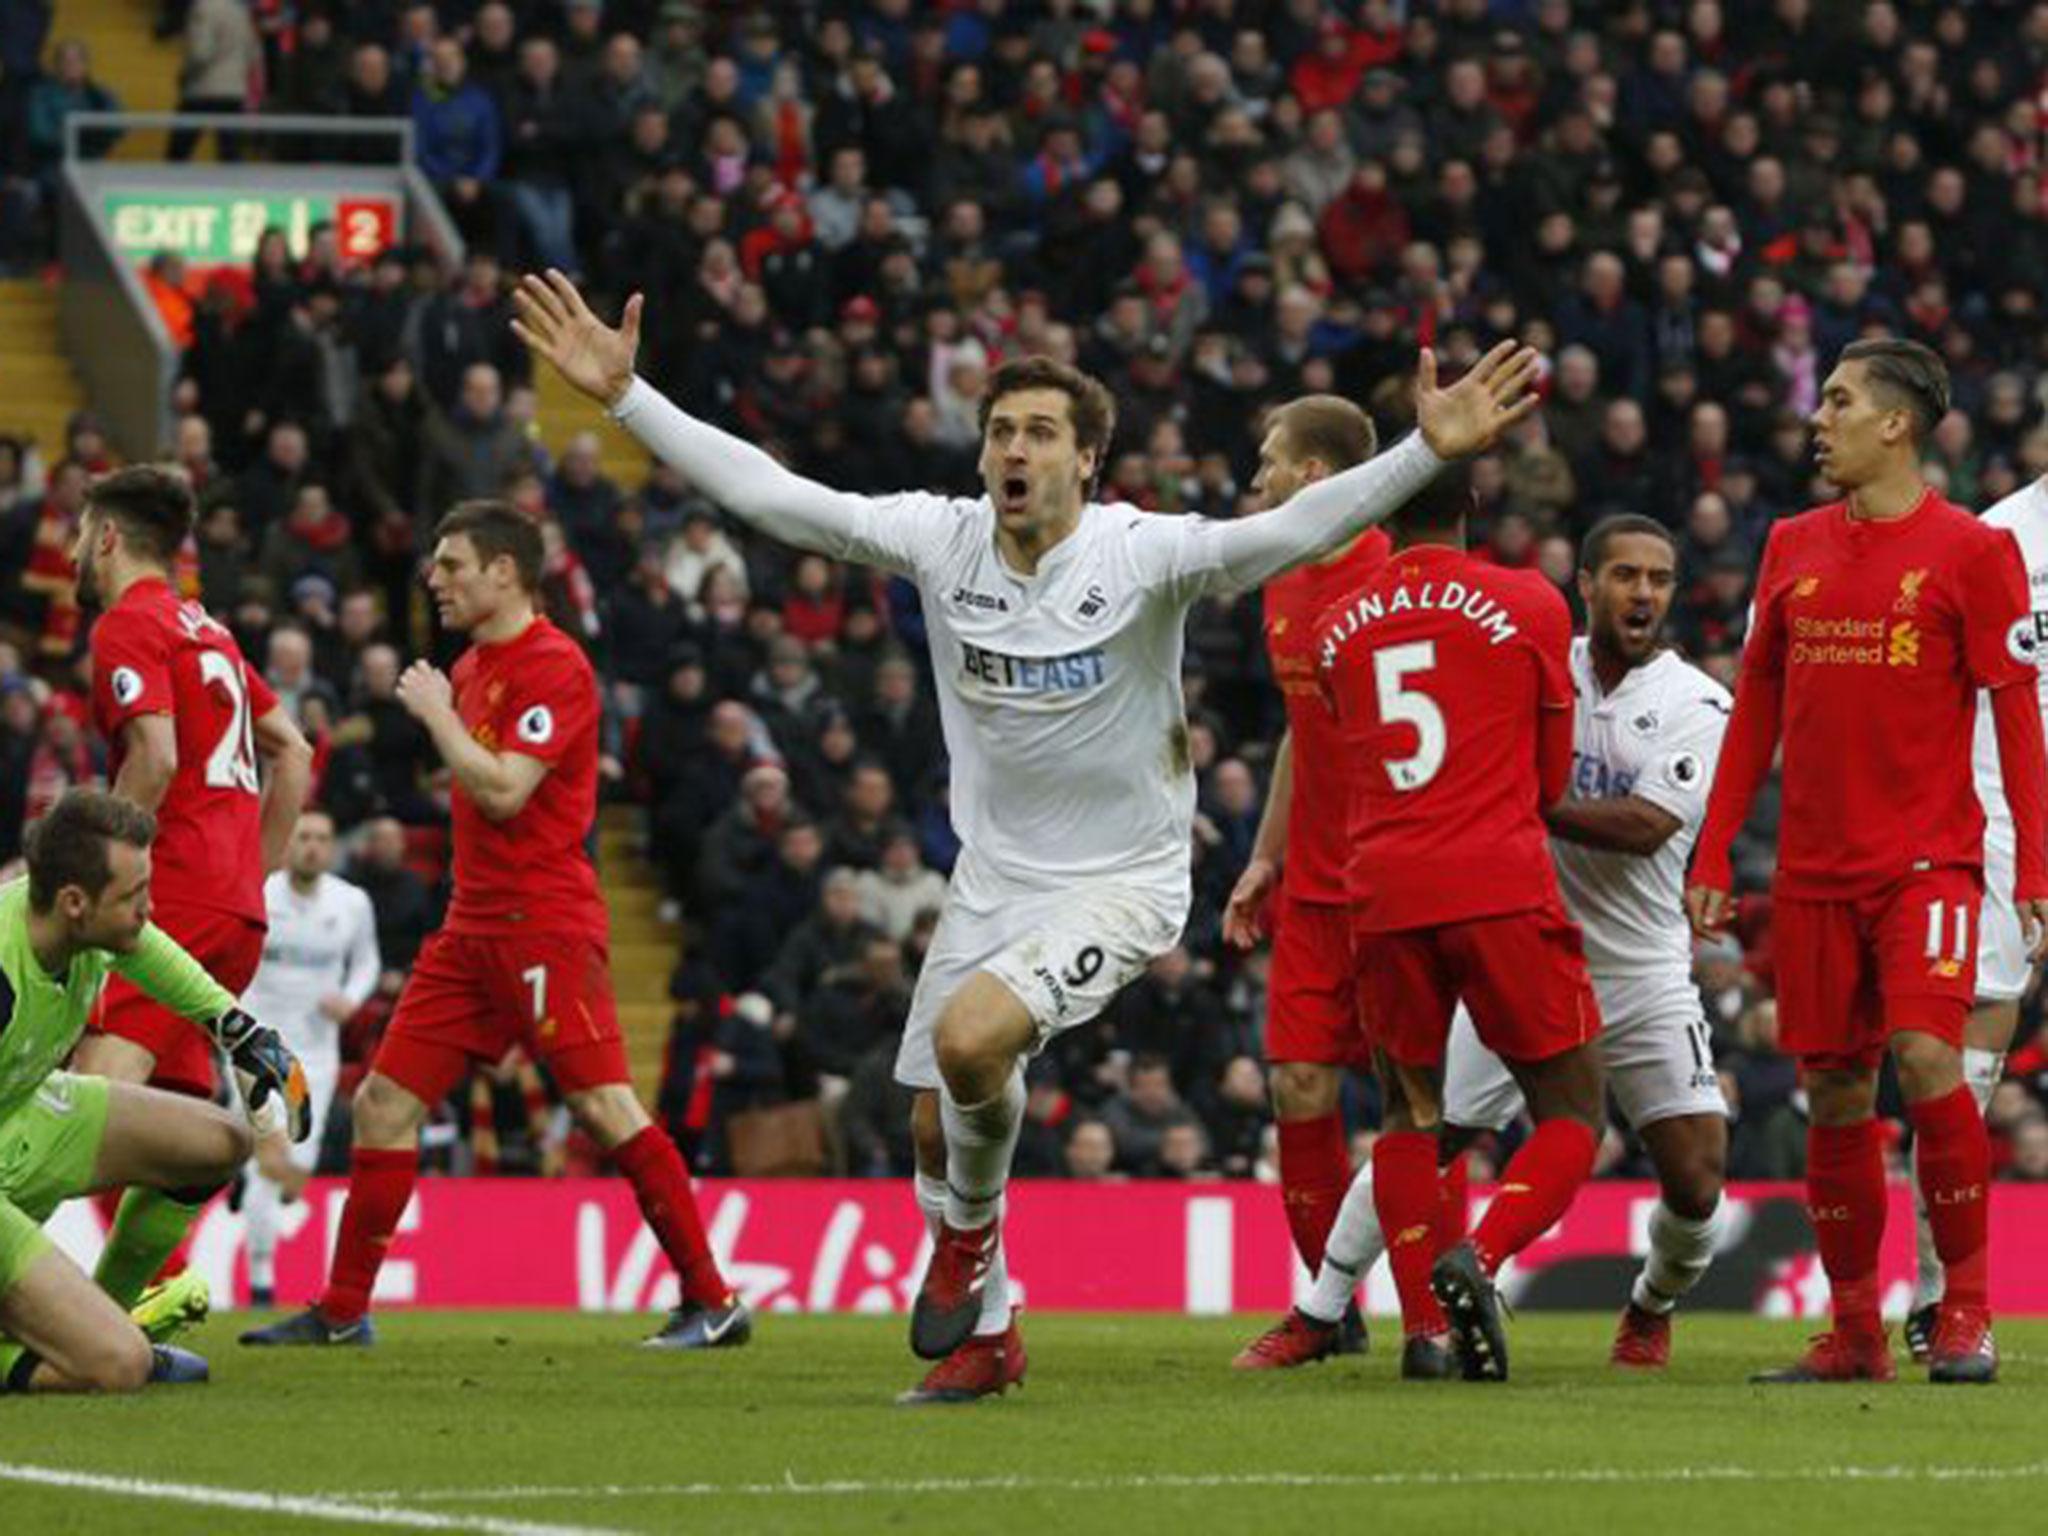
536, 977
1935, 925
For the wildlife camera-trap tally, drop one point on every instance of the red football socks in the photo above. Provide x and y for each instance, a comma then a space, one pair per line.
1406, 1198
1845, 1198
662, 1186
1536, 1188
1452, 1206
1955, 1176
379, 1184
1315, 1170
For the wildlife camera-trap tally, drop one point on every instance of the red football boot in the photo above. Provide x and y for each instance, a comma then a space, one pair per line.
1963, 1351
987, 1366
1643, 1340
949, 1302
1297, 1339
1837, 1356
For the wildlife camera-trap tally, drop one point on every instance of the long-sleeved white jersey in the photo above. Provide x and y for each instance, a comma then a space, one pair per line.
320, 945
1059, 692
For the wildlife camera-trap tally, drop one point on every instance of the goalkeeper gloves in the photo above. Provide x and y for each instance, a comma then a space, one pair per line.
265, 1066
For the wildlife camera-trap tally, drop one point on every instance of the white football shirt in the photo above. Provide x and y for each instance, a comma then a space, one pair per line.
319, 945
1657, 736
2025, 513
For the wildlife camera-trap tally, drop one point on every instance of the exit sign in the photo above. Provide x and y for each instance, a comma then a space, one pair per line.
220, 229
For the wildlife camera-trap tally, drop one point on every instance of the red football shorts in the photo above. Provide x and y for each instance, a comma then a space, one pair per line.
1851, 974
1312, 991
472, 997
229, 947
1522, 975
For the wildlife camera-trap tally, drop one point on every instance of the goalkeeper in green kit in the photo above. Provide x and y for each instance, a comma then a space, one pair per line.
81, 913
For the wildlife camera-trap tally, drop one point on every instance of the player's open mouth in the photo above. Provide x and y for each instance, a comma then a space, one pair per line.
1637, 622
1016, 491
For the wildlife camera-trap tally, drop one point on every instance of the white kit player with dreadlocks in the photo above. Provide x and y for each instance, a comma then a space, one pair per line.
1056, 630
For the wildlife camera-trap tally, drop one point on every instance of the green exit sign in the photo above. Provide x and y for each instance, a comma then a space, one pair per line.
220, 229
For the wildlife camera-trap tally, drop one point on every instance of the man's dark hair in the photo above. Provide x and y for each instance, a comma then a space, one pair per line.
150, 504
1329, 428
1441, 505
1593, 551
497, 528
1912, 377
1089, 402
69, 846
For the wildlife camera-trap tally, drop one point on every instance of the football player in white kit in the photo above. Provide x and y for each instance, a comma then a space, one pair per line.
2003, 969
1647, 733
1056, 630
320, 963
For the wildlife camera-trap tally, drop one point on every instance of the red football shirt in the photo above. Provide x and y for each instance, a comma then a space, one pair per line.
153, 654
1879, 635
1440, 670
530, 873
1319, 809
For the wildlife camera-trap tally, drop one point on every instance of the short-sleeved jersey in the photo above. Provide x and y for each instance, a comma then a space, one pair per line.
2023, 514
1325, 770
530, 873
154, 654
42, 1016
1656, 737
1879, 634
1440, 670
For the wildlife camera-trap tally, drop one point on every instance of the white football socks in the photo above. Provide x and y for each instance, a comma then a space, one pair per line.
1680, 1251
980, 1140
261, 1204
1355, 1245
1982, 1071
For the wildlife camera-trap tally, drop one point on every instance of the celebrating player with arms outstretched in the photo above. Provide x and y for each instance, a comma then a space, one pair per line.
1878, 619
524, 955
1297, 880
1056, 630
1453, 677
187, 721
82, 913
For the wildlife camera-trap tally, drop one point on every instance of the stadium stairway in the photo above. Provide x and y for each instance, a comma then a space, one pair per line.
644, 948
564, 413
129, 60
42, 391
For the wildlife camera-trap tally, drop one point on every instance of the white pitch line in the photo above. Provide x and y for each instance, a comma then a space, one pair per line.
1478, 1478
305, 1506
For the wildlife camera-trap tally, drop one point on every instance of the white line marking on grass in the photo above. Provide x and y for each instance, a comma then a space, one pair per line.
305, 1506
1476, 1478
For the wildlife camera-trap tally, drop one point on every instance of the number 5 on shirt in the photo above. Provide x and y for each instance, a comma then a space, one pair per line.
1401, 705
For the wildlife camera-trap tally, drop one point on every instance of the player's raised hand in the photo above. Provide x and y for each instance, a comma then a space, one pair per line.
1244, 917
425, 691
1465, 417
1708, 910
2034, 927
556, 324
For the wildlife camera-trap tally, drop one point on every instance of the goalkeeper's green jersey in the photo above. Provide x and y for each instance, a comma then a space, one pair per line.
42, 1016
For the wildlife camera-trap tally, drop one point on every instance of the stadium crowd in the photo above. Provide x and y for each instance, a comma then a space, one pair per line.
842, 218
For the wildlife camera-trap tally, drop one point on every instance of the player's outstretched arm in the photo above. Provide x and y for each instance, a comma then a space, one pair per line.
555, 322
1452, 422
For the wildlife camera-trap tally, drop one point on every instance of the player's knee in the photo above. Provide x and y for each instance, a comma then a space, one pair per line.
1693, 1188
383, 1110
1928, 1065
610, 1114
1840, 1096
122, 1363
1303, 1090
969, 1051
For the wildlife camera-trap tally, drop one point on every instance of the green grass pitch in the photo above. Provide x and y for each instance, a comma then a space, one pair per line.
518, 1424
